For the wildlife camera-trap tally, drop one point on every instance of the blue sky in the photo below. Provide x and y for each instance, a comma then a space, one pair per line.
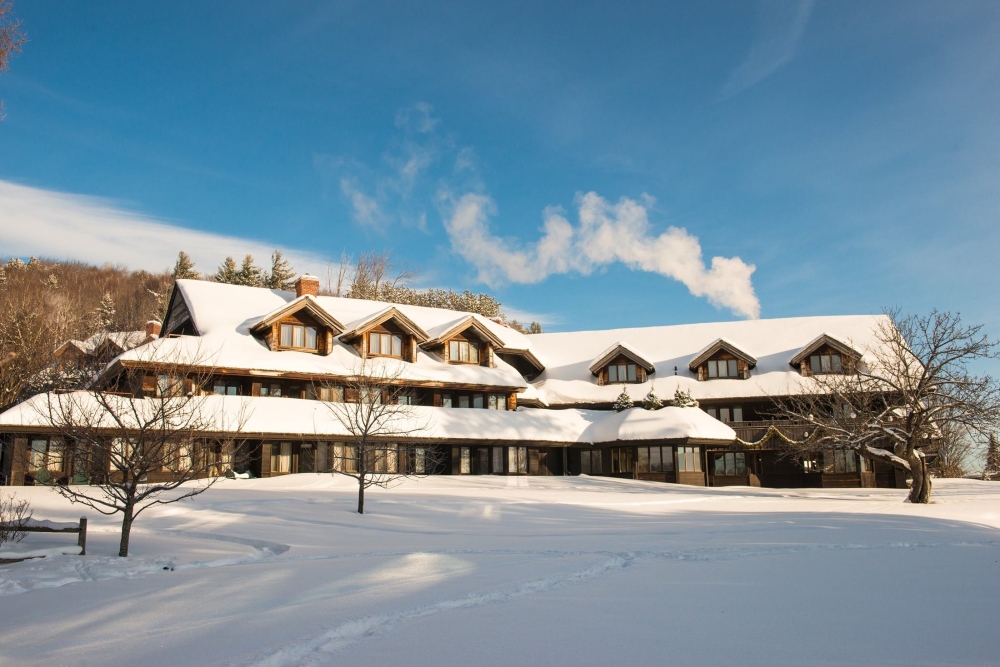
837, 157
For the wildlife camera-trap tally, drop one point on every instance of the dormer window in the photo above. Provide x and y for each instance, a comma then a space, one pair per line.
385, 344
825, 363
298, 336
723, 368
463, 351
622, 372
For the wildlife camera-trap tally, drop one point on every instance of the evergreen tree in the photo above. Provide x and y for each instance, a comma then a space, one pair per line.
227, 272
184, 268
652, 401
683, 399
249, 273
3, 274
992, 458
281, 273
623, 402
106, 313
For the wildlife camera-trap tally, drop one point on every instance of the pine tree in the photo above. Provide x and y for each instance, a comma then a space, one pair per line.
652, 401
281, 273
184, 268
992, 458
249, 273
3, 274
227, 272
623, 402
683, 399
106, 313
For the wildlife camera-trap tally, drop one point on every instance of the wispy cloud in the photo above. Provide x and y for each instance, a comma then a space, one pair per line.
782, 24
605, 234
58, 225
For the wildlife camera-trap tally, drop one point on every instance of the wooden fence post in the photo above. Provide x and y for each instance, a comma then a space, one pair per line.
82, 540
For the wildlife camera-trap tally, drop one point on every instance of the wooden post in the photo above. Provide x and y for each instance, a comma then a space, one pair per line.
82, 539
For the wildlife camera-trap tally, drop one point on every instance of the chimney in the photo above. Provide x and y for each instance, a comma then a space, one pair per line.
152, 329
307, 285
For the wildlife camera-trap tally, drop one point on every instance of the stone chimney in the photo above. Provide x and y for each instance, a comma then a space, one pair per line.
153, 329
307, 285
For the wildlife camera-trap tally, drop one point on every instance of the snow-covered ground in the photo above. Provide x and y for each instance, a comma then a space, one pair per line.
517, 571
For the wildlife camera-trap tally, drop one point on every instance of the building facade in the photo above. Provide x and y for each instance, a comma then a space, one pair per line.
492, 400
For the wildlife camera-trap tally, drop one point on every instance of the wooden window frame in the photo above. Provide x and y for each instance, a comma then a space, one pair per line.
456, 348
293, 327
384, 337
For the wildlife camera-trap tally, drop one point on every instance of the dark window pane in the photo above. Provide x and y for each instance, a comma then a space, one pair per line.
632, 377
584, 463
720, 464
741, 464
397, 346
654, 459
612, 373
738, 414
732, 367
835, 363
642, 463
311, 338
713, 369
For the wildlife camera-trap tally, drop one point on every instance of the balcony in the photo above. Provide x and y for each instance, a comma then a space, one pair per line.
752, 431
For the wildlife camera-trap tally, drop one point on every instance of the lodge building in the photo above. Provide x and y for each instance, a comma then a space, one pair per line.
495, 401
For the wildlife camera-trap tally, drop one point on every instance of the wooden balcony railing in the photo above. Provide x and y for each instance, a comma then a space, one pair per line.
752, 431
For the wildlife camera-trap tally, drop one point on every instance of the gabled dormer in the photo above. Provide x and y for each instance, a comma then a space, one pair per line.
301, 325
621, 364
387, 333
465, 341
825, 355
722, 360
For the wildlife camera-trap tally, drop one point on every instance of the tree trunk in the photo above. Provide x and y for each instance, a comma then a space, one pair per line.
126, 530
920, 491
361, 496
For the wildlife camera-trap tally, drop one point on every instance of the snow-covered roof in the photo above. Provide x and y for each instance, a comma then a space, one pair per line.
267, 416
442, 332
821, 340
224, 314
567, 379
305, 302
363, 324
121, 340
716, 346
620, 348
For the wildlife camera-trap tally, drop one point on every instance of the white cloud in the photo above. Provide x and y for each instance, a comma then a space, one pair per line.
606, 233
417, 118
364, 209
782, 26
57, 225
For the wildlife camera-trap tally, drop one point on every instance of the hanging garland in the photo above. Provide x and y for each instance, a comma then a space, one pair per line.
773, 432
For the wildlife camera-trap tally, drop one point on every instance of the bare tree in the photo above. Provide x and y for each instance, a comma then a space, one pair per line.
14, 516
336, 276
953, 447
130, 450
377, 413
11, 38
913, 385
376, 275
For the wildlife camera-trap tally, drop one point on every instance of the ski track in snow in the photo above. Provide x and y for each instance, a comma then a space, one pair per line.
312, 649
67, 570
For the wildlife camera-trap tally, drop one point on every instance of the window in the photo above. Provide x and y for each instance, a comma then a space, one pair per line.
386, 458
406, 399
370, 396
384, 344
477, 401
622, 373
825, 363
46, 456
420, 460
726, 414
810, 463
722, 368
298, 336
223, 388
169, 385
840, 461
345, 458
465, 466
517, 460
498, 460
463, 351
731, 463
281, 457
463, 401
446, 400
621, 459
654, 459
497, 402
689, 459
590, 462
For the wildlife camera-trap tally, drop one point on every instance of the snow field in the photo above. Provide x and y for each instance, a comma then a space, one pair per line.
517, 571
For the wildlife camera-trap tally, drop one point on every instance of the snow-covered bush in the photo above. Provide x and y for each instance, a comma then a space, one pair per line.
683, 399
623, 402
652, 401
14, 516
